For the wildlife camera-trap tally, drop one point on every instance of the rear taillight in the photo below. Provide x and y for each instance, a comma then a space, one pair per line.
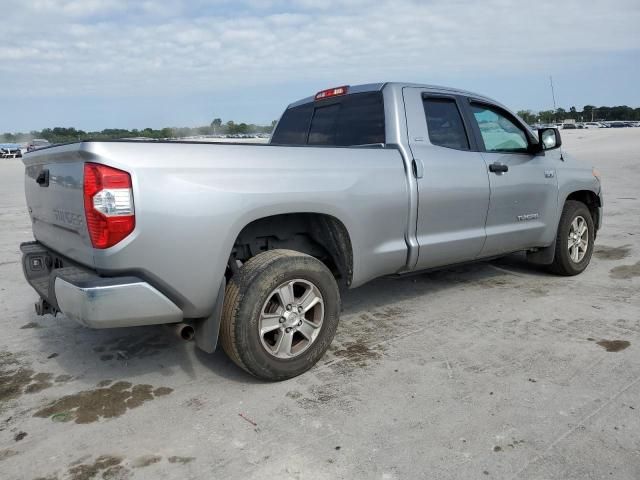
108, 204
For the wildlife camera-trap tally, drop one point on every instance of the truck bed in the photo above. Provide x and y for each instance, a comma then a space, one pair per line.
193, 198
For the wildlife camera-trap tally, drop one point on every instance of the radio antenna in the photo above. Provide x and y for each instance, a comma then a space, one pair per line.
553, 95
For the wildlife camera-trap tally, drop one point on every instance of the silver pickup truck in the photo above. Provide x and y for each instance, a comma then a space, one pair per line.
250, 243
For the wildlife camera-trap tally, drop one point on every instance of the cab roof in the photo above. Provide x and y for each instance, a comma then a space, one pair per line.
375, 87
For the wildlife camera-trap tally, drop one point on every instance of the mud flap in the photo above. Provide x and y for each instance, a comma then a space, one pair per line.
207, 330
543, 256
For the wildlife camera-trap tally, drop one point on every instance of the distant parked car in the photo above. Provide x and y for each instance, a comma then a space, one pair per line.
617, 125
37, 143
10, 151
569, 126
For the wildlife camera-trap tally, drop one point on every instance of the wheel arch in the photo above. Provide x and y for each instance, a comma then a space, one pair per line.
259, 229
546, 255
320, 235
592, 200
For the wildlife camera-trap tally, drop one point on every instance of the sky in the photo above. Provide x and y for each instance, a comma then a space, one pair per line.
95, 64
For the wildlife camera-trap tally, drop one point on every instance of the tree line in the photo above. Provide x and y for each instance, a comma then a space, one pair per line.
589, 113
65, 135
217, 127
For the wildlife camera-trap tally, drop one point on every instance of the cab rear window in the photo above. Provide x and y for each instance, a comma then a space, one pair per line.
356, 119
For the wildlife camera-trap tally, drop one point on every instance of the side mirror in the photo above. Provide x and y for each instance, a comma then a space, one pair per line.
549, 138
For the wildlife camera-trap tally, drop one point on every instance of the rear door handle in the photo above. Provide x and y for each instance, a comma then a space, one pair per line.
418, 168
498, 168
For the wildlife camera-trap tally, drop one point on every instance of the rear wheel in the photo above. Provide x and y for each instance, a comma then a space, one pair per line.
574, 242
280, 314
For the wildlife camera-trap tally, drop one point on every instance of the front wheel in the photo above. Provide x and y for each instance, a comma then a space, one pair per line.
280, 314
574, 241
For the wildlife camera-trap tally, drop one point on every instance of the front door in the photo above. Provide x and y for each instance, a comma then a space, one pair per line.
453, 185
524, 188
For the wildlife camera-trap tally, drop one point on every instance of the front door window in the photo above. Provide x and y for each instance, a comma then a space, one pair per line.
499, 133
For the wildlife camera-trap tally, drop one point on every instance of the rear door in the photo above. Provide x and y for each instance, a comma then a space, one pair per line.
453, 186
524, 188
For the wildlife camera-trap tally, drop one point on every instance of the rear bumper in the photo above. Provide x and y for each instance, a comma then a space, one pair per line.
106, 305
92, 300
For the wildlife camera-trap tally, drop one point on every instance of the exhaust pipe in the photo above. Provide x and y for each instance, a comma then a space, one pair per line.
183, 331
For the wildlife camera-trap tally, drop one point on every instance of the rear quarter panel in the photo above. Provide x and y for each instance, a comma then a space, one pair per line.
192, 200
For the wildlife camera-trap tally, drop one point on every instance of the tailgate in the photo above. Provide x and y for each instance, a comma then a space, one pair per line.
54, 191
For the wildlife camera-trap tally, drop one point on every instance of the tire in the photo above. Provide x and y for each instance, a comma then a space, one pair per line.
565, 261
252, 303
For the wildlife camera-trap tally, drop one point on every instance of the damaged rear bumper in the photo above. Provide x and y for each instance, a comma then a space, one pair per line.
92, 300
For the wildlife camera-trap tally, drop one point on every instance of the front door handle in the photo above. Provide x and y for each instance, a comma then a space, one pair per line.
498, 168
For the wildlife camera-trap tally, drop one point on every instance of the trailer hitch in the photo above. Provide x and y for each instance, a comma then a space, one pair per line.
43, 307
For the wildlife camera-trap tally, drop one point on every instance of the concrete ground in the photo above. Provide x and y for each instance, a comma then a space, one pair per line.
493, 370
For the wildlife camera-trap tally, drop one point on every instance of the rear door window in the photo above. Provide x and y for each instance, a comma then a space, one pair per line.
444, 123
